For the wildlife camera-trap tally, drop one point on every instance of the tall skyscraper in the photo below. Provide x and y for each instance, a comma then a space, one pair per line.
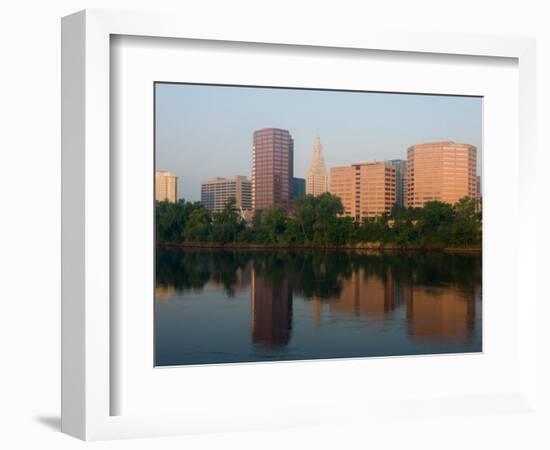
443, 171
317, 177
272, 168
366, 189
217, 192
166, 186
400, 180
298, 187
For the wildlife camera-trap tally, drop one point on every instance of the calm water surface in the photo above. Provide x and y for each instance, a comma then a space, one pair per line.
214, 306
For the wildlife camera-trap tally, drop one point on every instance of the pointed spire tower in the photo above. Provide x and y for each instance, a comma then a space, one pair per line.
317, 177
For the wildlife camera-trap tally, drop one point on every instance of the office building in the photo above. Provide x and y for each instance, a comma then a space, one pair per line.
217, 192
400, 180
166, 186
272, 168
443, 171
317, 177
342, 185
366, 190
298, 187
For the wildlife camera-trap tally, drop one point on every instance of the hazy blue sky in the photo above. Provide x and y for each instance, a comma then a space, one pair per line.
206, 131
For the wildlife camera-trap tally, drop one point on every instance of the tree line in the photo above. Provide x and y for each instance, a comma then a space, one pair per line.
317, 221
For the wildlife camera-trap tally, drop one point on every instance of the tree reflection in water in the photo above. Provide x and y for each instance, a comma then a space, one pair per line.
437, 290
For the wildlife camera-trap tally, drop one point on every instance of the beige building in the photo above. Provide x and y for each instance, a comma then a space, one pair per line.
366, 189
217, 192
342, 185
166, 186
443, 171
317, 176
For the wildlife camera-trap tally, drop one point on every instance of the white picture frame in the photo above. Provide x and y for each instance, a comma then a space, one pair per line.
87, 357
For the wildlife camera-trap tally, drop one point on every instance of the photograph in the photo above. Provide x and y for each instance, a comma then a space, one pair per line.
298, 224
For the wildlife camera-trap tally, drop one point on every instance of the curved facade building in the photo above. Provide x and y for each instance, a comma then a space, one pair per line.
444, 171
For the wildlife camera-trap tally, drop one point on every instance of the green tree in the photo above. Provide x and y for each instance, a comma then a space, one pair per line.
293, 233
404, 232
374, 229
304, 214
341, 231
315, 215
466, 227
170, 219
198, 226
275, 222
270, 225
327, 209
434, 224
227, 223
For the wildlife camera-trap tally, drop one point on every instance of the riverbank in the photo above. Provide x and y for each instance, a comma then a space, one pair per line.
370, 246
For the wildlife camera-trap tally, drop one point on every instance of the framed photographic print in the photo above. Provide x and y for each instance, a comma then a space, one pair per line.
292, 214
272, 254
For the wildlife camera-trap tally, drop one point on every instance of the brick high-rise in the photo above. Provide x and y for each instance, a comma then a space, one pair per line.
272, 168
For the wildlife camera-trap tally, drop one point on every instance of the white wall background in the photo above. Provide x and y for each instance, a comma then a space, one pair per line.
30, 235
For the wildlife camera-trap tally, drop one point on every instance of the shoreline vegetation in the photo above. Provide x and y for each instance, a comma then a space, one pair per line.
368, 246
316, 223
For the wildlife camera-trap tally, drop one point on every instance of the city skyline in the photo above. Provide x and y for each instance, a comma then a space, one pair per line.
445, 171
189, 138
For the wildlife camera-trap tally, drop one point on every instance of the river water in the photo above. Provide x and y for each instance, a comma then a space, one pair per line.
218, 306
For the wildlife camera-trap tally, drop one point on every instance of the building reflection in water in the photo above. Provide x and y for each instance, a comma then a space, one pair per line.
164, 292
222, 306
316, 310
366, 295
240, 279
440, 313
271, 311
423, 302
